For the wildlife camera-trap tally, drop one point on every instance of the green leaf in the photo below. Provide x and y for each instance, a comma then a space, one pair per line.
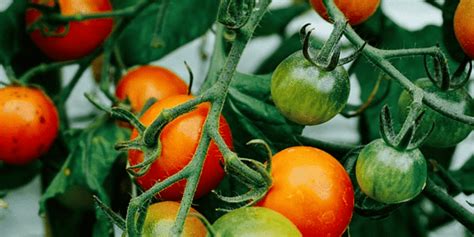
14, 176
184, 21
452, 44
465, 175
83, 174
11, 30
275, 21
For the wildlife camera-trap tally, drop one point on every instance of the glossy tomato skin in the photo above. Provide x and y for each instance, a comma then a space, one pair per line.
145, 82
312, 189
355, 11
463, 27
389, 175
306, 94
29, 124
83, 36
179, 140
161, 217
447, 132
255, 222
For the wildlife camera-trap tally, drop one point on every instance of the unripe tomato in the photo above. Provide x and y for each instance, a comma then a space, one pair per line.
355, 11
179, 140
83, 36
463, 27
255, 222
312, 189
145, 82
161, 216
447, 132
306, 94
389, 175
29, 124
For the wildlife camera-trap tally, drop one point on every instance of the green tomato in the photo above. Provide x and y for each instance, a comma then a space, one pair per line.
389, 175
306, 94
254, 222
447, 132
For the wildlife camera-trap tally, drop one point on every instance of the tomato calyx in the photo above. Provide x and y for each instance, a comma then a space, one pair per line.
46, 22
442, 78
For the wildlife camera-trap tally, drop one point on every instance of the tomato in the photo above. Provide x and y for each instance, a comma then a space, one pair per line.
179, 140
306, 94
389, 175
463, 27
145, 82
83, 36
447, 132
355, 11
312, 189
161, 216
254, 222
29, 124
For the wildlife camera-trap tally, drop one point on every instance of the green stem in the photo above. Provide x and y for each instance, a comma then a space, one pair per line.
82, 17
11, 76
43, 68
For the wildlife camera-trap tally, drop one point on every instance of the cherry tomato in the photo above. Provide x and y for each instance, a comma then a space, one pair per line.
355, 11
306, 94
389, 175
312, 189
179, 140
463, 27
81, 38
161, 216
447, 132
145, 82
255, 222
29, 124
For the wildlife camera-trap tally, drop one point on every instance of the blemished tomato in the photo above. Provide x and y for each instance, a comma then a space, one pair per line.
463, 27
29, 124
356, 12
179, 140
83, 36
389, 175
306, 94
447, 132
145, 82
161, 216
312, 189
255, 222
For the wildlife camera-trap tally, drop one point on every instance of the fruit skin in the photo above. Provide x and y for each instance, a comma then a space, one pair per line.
463, 27
161, 217
307, 95
447, 132
255, 222
83, 36
145, 82
312, 189
179, 140
355, 11
29, 124
388, 175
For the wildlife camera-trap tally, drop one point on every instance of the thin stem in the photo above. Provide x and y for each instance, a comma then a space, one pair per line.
43, 68
11, 76
398, 53
82, 17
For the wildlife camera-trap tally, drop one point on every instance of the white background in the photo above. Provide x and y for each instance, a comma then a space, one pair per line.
21, 218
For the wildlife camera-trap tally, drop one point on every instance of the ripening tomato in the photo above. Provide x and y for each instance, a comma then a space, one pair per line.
312, 189
179, 140
355, 11
145, 82
29, 124
161, 216
463, 27
81, 38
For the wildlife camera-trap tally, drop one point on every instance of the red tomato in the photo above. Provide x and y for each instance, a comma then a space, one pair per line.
179, 140
29, 124
83, 36
355, 11
312, 189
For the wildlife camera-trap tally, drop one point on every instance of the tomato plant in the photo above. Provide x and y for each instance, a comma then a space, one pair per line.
29, 124
77, 39
356, 12
179, 140
305, 93
311, 189
145, 82
463, 29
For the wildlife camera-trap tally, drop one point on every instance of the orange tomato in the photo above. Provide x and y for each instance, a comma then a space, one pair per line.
179, 140
145, 82
355, 11
463, 27
29, 124
311, 189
